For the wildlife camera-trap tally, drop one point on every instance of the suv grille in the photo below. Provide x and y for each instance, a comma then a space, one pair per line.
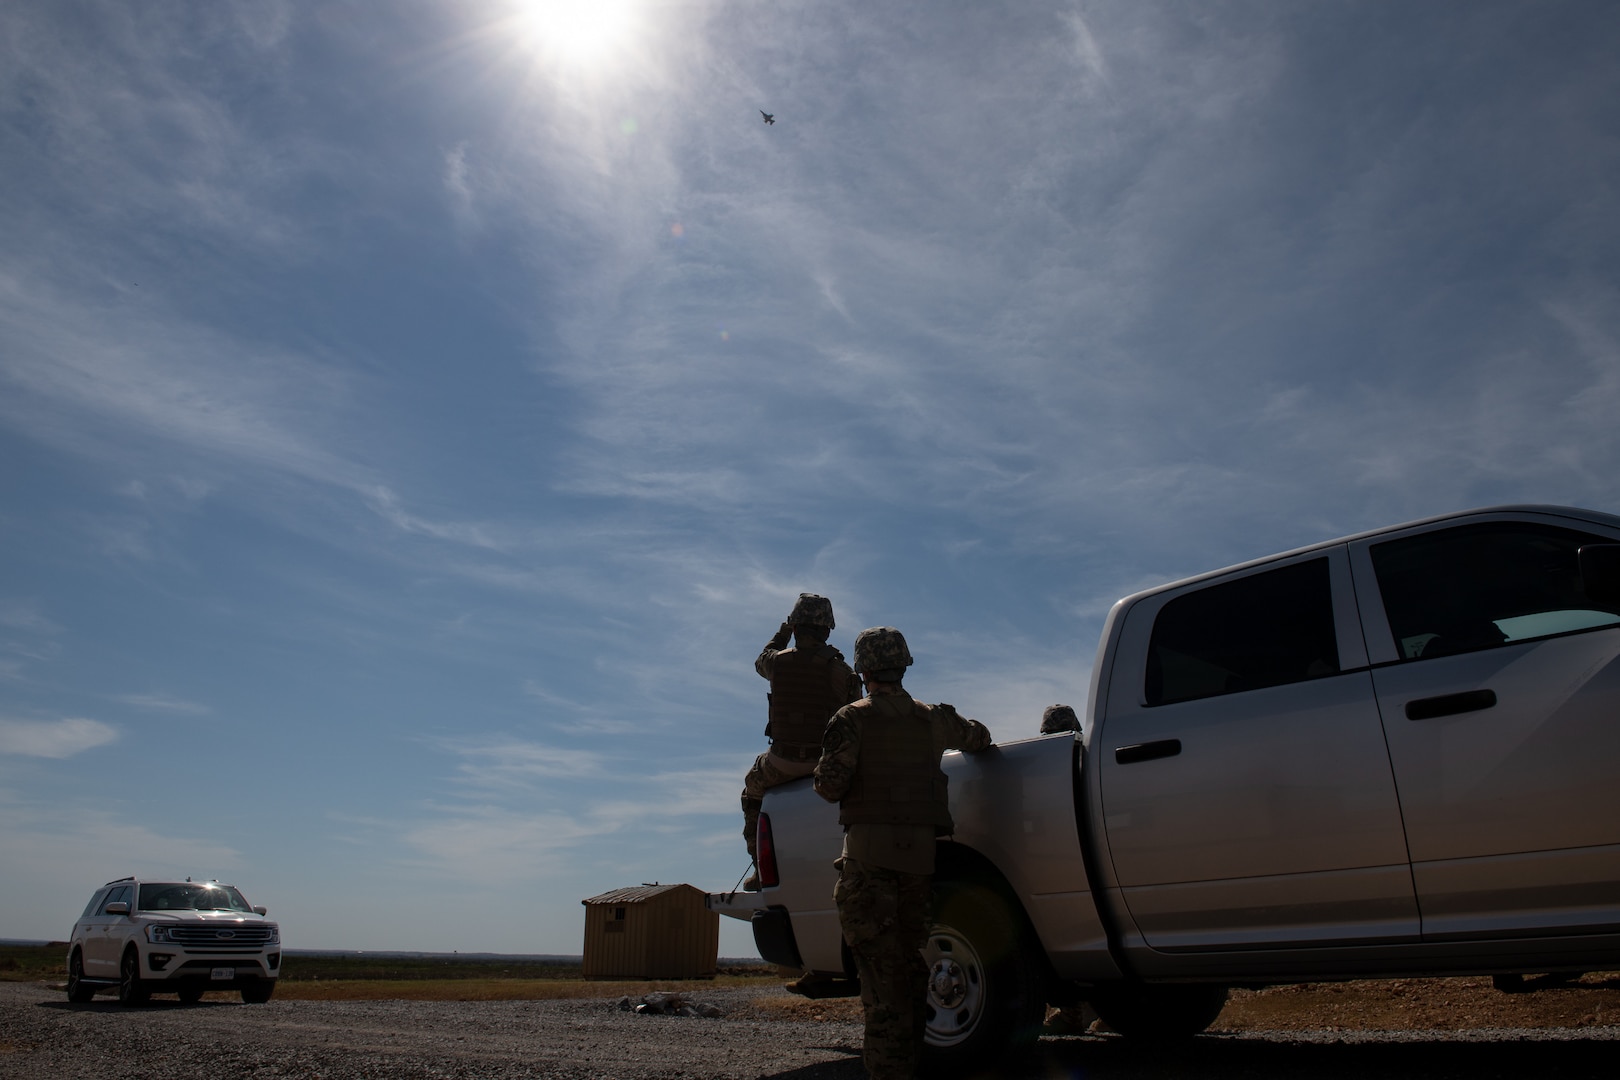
221, 938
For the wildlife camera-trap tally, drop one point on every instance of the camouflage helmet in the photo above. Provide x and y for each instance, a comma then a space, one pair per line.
1059, 718
882, 648
812, 610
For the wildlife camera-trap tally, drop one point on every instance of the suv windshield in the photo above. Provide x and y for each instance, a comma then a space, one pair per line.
189, 896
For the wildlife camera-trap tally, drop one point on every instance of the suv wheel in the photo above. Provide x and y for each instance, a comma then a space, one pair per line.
131, 991
257, 993
77, 989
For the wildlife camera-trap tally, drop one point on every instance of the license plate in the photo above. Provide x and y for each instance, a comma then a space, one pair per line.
223, 973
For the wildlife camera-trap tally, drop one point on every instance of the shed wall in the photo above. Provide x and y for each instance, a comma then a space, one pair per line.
667, 936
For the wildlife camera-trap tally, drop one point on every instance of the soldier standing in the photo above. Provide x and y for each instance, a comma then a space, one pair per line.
809, 683
880, 763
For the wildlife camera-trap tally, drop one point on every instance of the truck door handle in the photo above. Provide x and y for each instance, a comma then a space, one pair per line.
1147, 751
1450, 704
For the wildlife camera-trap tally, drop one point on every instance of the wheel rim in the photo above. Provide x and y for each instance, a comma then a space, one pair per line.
955, 987
130, 973
75, 974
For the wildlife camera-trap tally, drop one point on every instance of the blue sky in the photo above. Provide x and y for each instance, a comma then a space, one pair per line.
414, 418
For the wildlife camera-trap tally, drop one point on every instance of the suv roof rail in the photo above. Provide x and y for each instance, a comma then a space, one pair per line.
117, 880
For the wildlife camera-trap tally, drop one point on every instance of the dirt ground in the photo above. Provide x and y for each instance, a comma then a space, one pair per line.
1463, 1004
1393, 1029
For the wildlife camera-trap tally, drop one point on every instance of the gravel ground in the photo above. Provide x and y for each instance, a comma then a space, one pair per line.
42, 1036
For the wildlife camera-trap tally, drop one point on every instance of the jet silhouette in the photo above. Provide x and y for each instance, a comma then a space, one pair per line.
769, 119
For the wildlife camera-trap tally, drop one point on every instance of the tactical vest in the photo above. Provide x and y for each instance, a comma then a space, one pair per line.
803, 698
897, 780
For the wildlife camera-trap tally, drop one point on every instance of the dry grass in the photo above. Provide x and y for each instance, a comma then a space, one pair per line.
1425, 1005
496, 989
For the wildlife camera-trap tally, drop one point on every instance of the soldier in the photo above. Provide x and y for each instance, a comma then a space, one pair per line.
809, 683
880, 763
1058, 718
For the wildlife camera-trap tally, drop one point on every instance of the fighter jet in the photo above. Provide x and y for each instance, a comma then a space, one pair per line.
769, 119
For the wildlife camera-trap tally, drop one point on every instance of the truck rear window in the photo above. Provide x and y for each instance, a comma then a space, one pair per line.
1267, 629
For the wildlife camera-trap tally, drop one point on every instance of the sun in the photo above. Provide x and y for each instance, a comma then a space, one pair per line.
582, 32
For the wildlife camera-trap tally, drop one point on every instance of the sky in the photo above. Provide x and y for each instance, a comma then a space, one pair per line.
416, 417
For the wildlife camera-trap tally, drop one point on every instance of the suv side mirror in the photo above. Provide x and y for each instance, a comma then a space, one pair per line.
117, 907
1600, 572
261, 911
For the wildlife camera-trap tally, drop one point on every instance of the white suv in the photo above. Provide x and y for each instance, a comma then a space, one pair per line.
172, 937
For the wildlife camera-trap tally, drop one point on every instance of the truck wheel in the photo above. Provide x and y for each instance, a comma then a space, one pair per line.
1144, 1011
77, 989
984, 981
131, 991
257, 993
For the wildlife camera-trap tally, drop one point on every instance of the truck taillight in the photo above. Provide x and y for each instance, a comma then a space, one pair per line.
766, 847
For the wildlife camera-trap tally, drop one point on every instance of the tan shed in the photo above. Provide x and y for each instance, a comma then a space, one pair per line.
651, 932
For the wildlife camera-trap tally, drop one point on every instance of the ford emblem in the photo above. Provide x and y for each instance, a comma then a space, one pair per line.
225, 935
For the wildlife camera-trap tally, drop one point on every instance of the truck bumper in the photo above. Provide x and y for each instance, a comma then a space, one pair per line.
735, 905
773, 936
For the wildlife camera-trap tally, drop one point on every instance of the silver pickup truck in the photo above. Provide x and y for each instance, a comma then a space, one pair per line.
1394, 754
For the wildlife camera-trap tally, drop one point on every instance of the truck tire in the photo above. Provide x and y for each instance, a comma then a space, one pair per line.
1145, 1011
984, 981
78, 991
131, 991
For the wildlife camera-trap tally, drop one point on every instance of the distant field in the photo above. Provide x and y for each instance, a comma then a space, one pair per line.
371, 976
26, 963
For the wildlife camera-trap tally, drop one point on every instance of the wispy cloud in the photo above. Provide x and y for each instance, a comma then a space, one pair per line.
508, 764
91, 846
164, 704
53, 738
495, 845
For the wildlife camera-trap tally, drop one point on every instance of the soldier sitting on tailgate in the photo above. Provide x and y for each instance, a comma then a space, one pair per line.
809, 682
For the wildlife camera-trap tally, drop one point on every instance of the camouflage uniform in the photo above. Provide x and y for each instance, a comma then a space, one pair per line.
1058, 718
886, 872
808, 684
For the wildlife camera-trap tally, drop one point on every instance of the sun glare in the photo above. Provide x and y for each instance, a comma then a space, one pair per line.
578, 31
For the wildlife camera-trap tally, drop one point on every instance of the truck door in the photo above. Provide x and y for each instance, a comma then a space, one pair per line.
1498, 678
1246, 791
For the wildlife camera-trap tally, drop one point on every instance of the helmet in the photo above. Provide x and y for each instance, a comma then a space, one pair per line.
882, 648
1059, 718
812, 610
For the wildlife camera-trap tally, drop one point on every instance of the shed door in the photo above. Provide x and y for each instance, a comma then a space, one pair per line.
1246, 789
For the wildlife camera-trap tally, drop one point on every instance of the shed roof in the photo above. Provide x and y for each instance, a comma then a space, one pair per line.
637, 895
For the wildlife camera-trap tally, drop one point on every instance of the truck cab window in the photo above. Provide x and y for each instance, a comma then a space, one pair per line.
1480, 586
1267, 629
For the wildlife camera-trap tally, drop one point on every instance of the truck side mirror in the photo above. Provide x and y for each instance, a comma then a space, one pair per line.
1600, 572
261, 911
117, 907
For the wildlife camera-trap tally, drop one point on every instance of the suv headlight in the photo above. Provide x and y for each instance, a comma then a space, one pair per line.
275, 935
160, 932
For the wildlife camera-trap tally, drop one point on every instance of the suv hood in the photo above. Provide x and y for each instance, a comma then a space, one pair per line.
204, 916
